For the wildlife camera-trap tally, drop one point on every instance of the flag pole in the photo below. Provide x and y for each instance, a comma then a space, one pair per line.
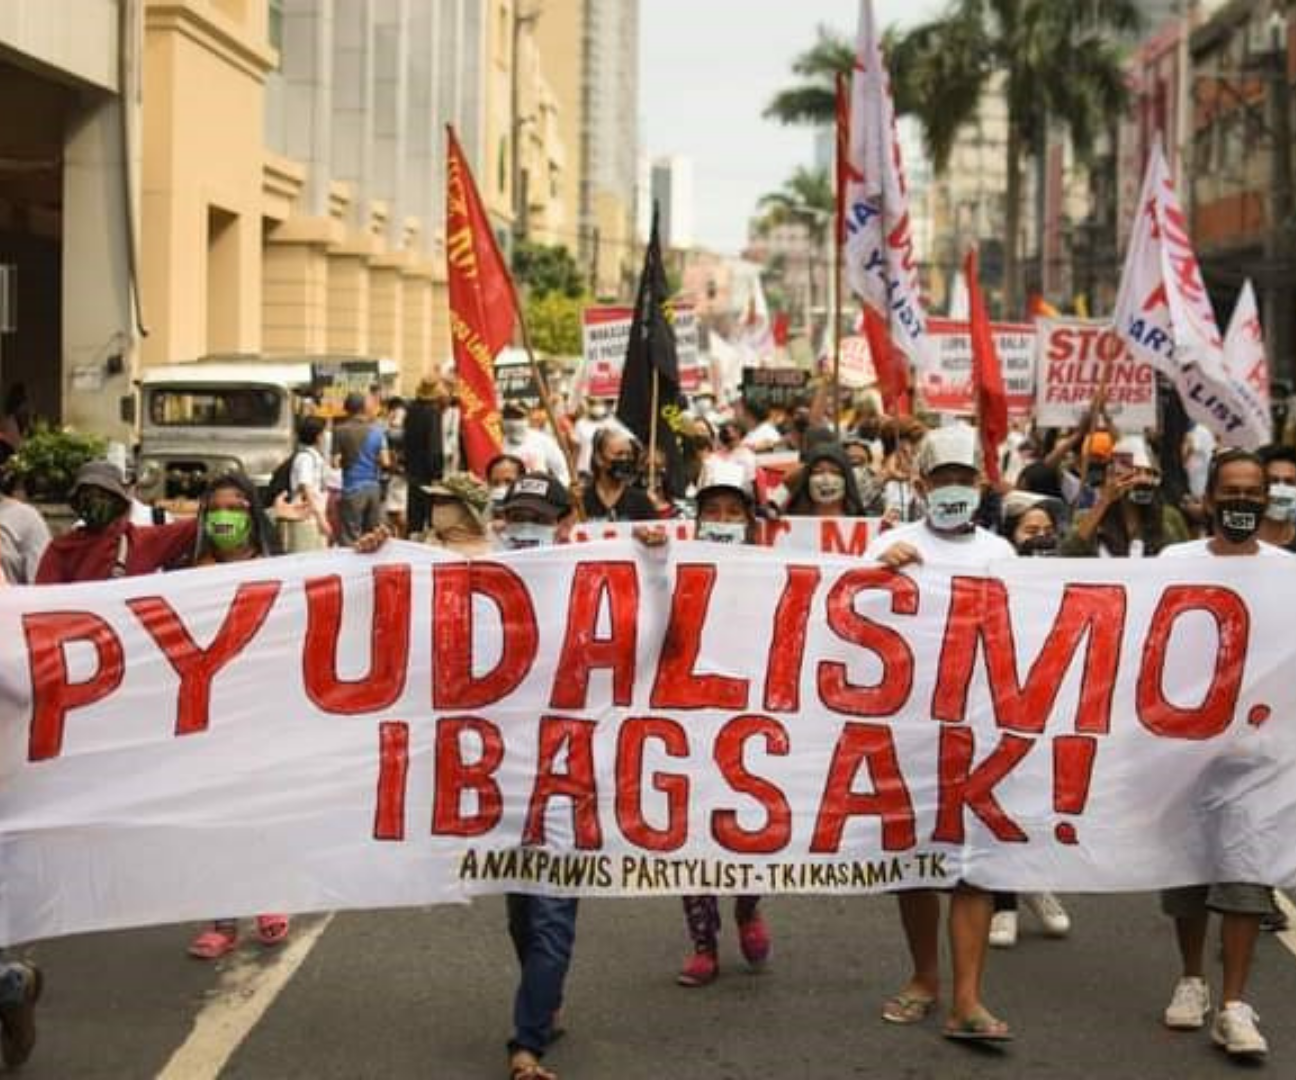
652, 430
839, 231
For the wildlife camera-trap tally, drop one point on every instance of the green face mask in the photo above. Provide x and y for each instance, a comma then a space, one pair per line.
98, 509
228, 530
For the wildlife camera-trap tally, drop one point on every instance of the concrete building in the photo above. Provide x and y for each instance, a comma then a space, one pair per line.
590, 56
672, 191
69, 196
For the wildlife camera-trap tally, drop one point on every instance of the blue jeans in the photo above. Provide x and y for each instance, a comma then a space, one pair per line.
543, 929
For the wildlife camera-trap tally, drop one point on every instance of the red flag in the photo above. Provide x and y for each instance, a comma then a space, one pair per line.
891, 365
483, 308
987, 376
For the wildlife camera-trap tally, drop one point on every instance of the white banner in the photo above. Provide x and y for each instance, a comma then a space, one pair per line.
1164, 313
881, 264
335, 731
1248, 368
826, 535
1075, 358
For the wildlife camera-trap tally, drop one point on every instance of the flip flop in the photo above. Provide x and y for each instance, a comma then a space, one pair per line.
981, 1027
524, 1066
906, 1007
213, 944
271, 929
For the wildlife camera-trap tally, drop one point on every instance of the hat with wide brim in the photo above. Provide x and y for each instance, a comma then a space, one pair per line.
103, 475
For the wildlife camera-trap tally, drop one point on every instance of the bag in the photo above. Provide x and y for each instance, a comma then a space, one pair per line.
280, 481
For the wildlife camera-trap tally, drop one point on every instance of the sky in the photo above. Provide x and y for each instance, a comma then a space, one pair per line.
707, 69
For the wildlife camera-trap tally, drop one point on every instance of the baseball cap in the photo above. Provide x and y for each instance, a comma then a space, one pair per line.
103, 475
539, 492
718, 476
956, 444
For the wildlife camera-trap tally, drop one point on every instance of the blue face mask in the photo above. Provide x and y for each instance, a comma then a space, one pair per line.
950, 509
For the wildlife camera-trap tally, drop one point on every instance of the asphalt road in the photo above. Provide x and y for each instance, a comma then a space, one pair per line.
427, 994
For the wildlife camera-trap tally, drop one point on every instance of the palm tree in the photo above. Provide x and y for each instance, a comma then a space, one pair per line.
1057, 59
814, 101
806, 198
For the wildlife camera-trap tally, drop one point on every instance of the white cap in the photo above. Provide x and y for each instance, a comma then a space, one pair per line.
957, 444
1136, 448
724, 474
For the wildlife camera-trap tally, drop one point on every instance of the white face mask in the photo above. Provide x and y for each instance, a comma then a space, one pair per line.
827, 487
951, 508
515, 430
597, 412
722, 532
1282, 502
519, 535
498, 494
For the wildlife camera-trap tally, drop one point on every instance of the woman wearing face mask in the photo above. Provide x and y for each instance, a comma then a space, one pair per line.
1279, 525
501, 471
612, 495
825, 486
1030, 524
461, 506
725, 515
232, 527
1129, 519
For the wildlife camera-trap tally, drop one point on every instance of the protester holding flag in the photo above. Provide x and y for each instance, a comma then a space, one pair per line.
1236, 496
1129, 518
949, 466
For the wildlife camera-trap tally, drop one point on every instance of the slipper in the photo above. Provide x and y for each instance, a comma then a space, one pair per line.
907, 1007
213, 944
525, 1066
271, 929
981, 1027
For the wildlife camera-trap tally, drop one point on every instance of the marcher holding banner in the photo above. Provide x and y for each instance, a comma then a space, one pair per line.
726, 514
949, 466
1236, 496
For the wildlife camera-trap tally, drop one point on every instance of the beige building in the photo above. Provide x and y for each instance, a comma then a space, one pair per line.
282, 164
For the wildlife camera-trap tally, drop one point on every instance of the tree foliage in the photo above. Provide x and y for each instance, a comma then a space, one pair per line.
543, 269
554, 320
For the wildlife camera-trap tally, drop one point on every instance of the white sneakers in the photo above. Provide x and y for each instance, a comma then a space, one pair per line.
1049, 910
1189, 1005
1044, 906
1003, 930
1236, 1033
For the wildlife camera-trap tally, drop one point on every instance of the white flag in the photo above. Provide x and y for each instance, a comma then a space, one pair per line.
1248, 368
1164, 314
881, 265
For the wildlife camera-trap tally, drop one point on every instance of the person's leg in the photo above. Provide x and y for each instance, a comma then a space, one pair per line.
551, 934
971, 910
920, 916
1003, 924
753, 934
350, 508
418, 505
519, 923
1190, 935
373, 509
20, 989
1190, 1001
1238, 934
1005, 901
702, 917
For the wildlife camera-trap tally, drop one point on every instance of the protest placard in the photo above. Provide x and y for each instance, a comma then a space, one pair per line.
946, 383
1076, 357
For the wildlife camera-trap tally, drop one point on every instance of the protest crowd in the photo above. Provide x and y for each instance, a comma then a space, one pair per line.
478, 477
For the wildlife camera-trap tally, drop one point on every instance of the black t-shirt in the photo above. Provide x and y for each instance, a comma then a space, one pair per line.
634, 505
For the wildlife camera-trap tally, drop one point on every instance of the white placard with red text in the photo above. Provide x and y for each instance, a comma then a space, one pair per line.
338, 731
605, 332
1075, 358
946, 384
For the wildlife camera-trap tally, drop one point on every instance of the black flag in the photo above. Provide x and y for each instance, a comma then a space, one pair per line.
651, 357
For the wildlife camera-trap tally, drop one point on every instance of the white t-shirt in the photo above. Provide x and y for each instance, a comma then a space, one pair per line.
975, 548
309, 470
765, 436
1190, 549
540, 452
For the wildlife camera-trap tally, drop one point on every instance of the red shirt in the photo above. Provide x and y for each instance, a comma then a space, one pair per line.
81, 555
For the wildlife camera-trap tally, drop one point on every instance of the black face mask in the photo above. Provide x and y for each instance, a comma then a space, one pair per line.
1239, 519
623, 472
1038, 547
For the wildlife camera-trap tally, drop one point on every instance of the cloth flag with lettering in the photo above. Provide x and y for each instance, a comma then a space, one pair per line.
1248, 367
483, 308
1164, 313
881, 266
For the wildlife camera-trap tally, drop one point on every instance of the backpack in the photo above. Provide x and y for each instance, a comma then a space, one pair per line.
280, 481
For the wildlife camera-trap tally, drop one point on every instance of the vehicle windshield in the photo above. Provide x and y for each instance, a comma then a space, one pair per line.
215, 406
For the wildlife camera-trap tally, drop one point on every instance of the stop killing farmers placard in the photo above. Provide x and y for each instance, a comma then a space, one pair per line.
1075, 358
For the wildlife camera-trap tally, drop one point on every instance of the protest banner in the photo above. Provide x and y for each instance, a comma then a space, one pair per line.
605, 331
775, 387
826, 535
340, 731
1077, 356
857, 371
333, 381
946, 383
515, 381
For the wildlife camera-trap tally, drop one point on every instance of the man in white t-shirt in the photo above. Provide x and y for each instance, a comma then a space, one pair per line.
538, 450
949, 471
1236, 497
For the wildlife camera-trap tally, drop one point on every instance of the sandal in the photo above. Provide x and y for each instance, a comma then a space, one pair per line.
906, 1007
271, 929
523, 1065
979, 1027
214, 943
